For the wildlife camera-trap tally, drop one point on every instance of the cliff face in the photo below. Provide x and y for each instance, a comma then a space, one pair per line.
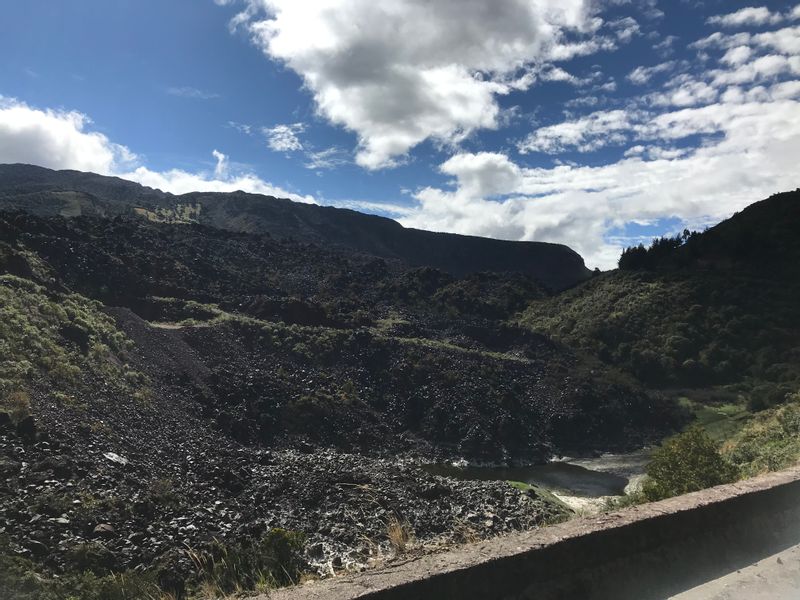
70, 193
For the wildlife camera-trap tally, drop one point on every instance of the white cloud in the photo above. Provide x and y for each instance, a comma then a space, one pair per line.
584, 134
737, 55
191, 92
484, 174
785, 90
745, 113
625, 28
60, 139
57, 139
581, 205
641, 75
283, 138
747, 16
241, 127
559, 74
220, 180
382, 208
688, 93
582, 101
785, 41
403, 72
665, 46
329, 158
762, 68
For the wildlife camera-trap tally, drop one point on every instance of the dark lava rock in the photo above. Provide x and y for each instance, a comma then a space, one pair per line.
8, 467
26, 428
37, 548
104, 530
92, 556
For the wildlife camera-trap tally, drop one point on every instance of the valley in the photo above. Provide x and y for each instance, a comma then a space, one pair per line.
182, 393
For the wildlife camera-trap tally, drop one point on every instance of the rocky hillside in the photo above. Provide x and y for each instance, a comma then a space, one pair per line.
285, 334
175, 396
230, 390
705, 309
72, 193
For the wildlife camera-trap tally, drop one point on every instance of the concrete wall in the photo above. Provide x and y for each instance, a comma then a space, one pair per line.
650, 551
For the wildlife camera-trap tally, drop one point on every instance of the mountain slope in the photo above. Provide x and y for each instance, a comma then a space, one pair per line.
71, 193
173, 391
383, 350
719, 308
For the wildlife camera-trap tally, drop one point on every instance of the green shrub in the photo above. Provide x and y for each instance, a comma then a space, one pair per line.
21, 580
770, 442
273, 561
58, 336
17, 404
686, 463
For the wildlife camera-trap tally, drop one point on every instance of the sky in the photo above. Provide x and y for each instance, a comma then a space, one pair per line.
594, 123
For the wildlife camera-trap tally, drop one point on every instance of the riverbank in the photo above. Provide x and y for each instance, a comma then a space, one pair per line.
643, 553
585, 485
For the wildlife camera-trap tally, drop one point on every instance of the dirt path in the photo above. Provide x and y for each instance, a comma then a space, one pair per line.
776, 577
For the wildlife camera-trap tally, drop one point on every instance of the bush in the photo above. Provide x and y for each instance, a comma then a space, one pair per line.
686, 463
770, 442
18, 405
20, 579
253, 565
273, 561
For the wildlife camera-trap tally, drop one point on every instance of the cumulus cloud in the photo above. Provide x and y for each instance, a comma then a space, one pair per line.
764, 67
625, 28
57, 139
580, 205
60, 139
584, 134
403, 72
684, 91
641, 75
747, 16
786, 40
705, 145
221, 179
283, 138
666, 46
737, 55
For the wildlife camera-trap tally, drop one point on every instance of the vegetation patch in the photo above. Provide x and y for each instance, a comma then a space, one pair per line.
60, 336
218, 570
688, 462
769, 442
719, 420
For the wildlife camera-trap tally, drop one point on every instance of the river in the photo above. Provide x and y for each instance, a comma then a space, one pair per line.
582, 483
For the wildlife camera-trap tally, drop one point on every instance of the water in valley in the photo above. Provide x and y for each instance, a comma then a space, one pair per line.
582, 483
556, 476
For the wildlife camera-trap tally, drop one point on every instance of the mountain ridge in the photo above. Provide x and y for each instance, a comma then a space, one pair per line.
41, 191
153, 365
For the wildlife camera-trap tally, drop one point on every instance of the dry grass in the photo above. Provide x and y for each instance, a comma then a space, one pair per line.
400, 535
18, 405
464, 533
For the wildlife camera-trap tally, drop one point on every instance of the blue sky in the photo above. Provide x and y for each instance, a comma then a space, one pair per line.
591, 123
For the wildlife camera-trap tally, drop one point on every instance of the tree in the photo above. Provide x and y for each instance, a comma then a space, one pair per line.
686, 463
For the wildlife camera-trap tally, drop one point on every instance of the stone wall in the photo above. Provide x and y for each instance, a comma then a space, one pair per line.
649, 551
